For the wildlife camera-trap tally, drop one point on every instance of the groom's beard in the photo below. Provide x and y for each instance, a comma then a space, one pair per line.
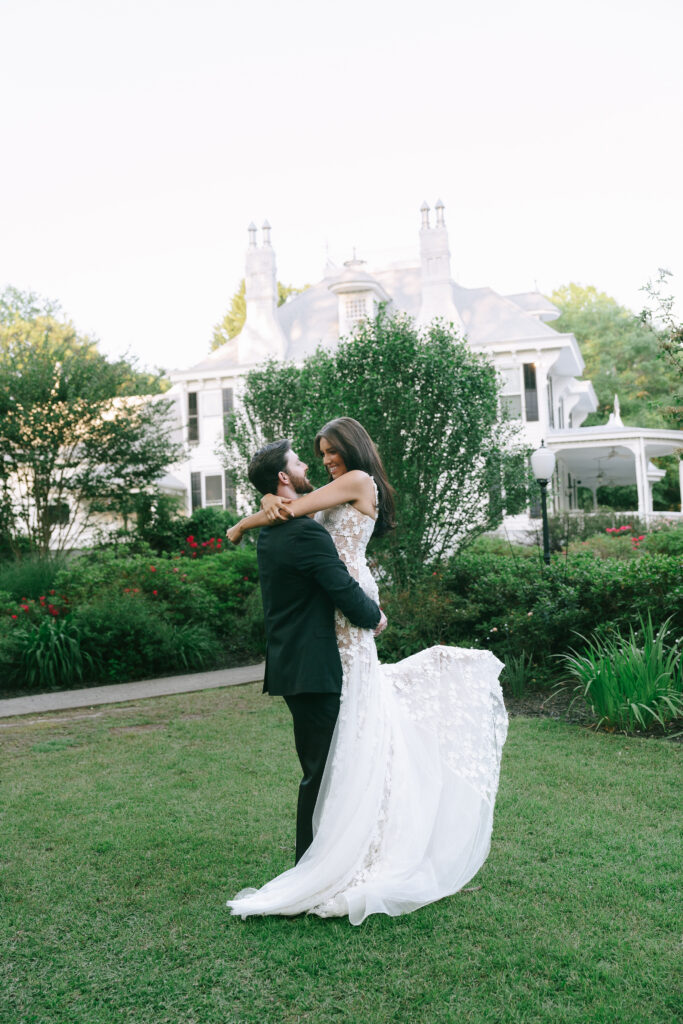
301, 484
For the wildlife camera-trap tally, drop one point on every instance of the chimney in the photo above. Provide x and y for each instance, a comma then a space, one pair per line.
261, 337
435, 260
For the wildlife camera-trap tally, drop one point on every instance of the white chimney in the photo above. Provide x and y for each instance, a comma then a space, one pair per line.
435, 260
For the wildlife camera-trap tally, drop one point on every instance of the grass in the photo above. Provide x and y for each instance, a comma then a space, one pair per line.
125, 829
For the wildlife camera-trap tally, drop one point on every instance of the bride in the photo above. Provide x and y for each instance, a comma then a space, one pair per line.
405, 809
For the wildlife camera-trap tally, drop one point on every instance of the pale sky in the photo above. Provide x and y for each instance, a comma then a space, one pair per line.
140, 137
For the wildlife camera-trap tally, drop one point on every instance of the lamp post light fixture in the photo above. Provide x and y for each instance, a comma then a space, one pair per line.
542, 466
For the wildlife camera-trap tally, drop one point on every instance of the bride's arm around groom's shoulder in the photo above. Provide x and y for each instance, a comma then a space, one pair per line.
355, 486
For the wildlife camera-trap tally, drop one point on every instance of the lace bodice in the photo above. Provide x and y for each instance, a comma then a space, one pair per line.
351, 530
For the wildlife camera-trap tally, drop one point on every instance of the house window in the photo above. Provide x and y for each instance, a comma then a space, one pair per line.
530, 392
551, 403
356, 309
511, 393
196, 490
230, 490
213, 486
58, 515
192, 418
228, 401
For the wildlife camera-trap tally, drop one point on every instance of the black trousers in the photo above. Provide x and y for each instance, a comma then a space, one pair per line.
314, 716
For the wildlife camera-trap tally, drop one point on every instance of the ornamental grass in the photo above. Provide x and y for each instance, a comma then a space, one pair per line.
631, 682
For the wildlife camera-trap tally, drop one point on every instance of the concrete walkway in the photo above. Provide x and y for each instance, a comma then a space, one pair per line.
92, 695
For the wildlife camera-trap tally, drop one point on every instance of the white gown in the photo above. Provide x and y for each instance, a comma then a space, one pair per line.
405, 810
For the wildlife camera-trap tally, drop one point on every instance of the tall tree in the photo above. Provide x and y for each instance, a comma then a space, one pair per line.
622, 356
233, 321
430, 404
74, 441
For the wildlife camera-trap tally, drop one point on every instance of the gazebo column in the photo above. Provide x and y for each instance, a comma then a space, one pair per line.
680, 480
641, 479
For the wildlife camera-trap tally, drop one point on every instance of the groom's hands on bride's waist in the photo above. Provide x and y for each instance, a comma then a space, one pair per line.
381, 625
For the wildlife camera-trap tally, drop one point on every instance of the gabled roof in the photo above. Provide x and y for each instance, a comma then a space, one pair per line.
310, 319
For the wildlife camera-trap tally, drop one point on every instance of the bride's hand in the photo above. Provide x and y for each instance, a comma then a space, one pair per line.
234, 534
276, 507
381, 625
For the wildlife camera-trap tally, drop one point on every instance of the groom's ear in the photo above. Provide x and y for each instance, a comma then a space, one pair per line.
283, 478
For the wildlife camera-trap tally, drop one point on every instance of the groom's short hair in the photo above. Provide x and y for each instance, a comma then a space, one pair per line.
267, 463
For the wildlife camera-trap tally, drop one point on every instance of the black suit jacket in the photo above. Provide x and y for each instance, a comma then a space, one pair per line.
303, 580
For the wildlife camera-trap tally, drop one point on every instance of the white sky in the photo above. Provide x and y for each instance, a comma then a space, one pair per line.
140, 137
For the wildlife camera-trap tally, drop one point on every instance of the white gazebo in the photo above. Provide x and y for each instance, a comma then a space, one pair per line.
608, 456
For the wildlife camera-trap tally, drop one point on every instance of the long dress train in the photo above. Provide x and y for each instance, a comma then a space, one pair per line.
405, 810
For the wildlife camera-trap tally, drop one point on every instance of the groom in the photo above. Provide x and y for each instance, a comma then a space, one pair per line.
302, 581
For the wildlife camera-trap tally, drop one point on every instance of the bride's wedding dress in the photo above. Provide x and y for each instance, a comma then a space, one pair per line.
405, 810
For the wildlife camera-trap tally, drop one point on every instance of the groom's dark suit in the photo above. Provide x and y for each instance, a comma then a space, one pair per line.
302, 581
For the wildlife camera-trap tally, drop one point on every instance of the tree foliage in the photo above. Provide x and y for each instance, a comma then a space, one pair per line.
430, 404
622, 355
233, 321
74, 441
669, 334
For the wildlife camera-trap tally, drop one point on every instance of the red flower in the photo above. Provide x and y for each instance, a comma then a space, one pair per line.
52, 591
155, 592
14, 616
152, 568
245, 577
25, 607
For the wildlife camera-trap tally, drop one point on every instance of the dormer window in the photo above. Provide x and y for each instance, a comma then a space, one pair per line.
358, 294
356, 309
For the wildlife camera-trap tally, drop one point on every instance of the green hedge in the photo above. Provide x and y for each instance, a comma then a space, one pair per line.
134, 615
515, 606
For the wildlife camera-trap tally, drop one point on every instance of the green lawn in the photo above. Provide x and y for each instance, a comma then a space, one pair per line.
125, 829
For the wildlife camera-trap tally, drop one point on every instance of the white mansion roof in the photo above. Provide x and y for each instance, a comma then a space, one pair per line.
311, 318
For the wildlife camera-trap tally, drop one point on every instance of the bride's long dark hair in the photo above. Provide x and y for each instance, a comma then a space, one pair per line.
358, 451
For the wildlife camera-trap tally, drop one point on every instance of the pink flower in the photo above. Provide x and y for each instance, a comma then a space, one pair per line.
14, 616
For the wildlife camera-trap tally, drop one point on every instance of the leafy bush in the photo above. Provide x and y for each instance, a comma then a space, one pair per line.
515, 606
138, 615
630, 682
32, 576
665, 540
126, 638
493, 544
564, 529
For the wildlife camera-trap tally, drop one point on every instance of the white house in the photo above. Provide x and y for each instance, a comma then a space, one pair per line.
540, 367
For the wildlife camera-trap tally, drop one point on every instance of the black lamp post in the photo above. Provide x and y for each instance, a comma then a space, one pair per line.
542, 466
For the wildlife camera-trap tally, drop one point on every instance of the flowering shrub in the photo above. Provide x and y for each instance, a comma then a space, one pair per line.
194, 548
138, 615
